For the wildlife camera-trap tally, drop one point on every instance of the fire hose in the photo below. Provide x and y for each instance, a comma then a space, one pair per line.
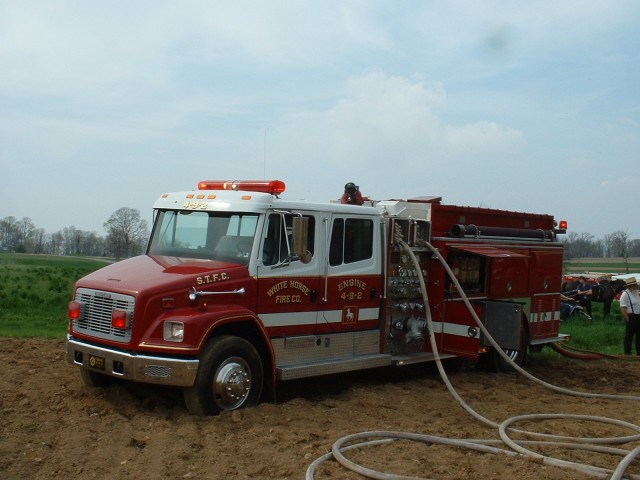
517, 447
581, 354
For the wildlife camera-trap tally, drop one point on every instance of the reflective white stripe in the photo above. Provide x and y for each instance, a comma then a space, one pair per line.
335, 316
289, 318
455, 329
544, 316
309, 318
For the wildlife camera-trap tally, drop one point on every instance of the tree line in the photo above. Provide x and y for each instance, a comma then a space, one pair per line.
614, 245
126, 236
617, 244
127, 233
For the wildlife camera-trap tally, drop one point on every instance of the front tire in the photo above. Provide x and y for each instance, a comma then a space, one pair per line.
93, 379
230, 377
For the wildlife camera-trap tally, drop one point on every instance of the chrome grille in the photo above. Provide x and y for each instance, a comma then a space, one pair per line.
97, 307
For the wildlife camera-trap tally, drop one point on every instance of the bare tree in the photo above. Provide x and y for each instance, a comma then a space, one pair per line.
39, 236
618, 244
581, 245
127, 232
92, 244
26, 229
55, 243
9, 234
69, 240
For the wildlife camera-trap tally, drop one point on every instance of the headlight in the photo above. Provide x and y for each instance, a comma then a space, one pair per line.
173, 331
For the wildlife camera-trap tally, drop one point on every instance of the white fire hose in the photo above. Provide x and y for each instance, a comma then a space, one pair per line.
518, 447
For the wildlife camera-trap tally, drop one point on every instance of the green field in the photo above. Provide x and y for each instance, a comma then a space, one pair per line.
601, 265
602, 334
35, 291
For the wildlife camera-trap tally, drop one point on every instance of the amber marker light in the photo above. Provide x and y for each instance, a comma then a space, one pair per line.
168, 303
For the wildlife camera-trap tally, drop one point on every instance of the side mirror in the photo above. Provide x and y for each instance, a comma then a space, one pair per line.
300, 238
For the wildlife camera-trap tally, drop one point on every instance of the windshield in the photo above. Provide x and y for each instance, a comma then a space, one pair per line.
208, 235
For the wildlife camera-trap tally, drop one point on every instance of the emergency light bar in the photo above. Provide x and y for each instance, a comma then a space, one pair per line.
273, 187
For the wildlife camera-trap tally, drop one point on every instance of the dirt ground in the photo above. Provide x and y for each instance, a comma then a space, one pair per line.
53, 427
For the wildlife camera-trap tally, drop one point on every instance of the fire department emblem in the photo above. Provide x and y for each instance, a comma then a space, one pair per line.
349, 314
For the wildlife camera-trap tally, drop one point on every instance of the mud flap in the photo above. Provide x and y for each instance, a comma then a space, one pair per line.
502, 320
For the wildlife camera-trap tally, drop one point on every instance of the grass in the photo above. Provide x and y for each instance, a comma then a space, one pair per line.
35, 291
603, 265
602, 334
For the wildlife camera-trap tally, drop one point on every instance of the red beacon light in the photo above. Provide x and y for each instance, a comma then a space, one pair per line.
274, 187
562, 227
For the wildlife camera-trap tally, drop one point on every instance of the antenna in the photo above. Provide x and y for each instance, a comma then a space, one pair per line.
264, 156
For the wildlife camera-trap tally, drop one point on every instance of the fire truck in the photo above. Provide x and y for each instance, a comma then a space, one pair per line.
240, 290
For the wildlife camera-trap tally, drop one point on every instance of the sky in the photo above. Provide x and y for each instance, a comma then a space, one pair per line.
525, 106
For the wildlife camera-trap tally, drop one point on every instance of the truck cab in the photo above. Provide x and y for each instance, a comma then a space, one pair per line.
238, 289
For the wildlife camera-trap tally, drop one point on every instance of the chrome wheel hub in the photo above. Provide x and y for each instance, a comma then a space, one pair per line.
232, 383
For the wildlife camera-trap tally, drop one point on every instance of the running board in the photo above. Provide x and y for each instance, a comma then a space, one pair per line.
362, 362
327, 367
560, 338
400, 360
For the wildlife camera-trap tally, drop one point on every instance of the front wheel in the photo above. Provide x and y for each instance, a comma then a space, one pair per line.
93, 379
230, 377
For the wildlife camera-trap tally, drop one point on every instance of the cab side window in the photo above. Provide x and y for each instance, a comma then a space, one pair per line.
278, 240
351, 240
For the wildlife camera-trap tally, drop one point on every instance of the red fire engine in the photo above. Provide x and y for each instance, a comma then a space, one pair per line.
240, 289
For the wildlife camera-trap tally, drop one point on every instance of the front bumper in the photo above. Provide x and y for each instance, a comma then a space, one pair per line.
130, 366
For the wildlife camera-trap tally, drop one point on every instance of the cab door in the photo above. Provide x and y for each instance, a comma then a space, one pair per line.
354, 281
289, 287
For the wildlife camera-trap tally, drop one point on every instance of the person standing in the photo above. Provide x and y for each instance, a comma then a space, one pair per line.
630, 307
584, 294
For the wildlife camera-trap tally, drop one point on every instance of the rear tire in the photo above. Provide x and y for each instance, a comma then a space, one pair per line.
230, 377
494, 362
518, 357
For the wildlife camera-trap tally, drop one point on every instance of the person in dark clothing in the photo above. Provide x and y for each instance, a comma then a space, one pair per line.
584, 295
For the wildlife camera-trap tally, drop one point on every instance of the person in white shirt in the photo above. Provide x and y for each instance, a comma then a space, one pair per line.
630, 307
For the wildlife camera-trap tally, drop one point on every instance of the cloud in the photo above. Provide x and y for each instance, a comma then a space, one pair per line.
381, 113
384, 129
626, 182
484, 137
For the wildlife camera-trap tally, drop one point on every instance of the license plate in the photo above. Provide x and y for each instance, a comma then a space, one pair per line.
96, 362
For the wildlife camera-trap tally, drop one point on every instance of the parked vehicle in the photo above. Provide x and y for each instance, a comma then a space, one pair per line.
240, 289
